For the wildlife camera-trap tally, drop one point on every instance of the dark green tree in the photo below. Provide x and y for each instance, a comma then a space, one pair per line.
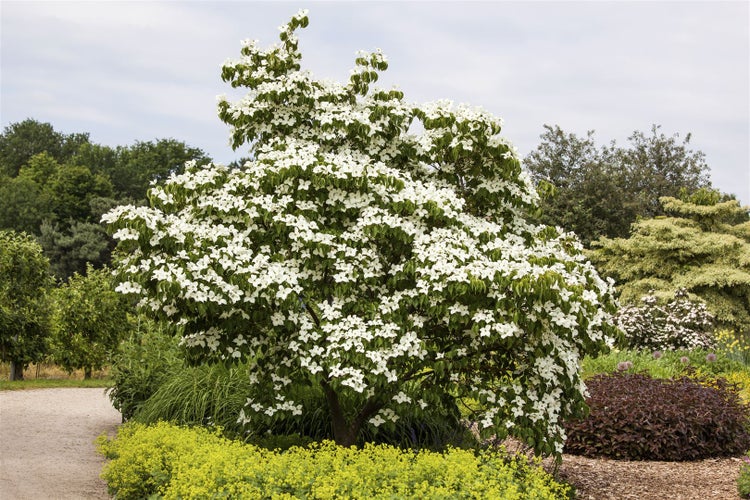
140, 164
600, 191
71, 190
586, 196
71, 248
24, 306
22, 140
657, 166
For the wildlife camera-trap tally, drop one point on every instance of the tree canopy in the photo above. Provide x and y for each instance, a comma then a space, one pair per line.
24, 307
389, 268
20, 141
89, 320
600, 191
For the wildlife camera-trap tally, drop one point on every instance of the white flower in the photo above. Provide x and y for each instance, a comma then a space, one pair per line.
377, 420
401, 398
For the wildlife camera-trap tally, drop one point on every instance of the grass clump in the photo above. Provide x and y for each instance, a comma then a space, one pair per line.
209, 395
636, 417
178, 462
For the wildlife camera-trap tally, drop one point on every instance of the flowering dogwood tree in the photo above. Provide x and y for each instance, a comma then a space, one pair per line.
387, 267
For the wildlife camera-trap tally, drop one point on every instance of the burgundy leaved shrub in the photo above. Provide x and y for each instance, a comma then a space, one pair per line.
635, 417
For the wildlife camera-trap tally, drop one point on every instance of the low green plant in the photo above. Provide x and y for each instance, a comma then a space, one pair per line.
141, 364
176, 462
662, 364
53, 383
734, 345
743, 481
636, 417
208, 395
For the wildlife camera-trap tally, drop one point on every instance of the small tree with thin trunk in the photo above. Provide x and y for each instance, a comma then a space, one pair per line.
24, 311
389, 268
89, 319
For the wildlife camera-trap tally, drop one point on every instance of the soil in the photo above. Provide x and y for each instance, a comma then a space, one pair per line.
48, 451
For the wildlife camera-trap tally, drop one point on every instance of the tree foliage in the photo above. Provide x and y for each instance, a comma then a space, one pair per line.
388, 268
586, 195
89, 320
139, 165
24, 311
702, 245
601, 191
21, 141
660, 166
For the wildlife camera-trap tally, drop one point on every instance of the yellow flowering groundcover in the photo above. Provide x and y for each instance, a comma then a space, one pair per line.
177, 462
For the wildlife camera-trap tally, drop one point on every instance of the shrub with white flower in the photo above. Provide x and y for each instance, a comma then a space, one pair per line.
388, 267
681, 323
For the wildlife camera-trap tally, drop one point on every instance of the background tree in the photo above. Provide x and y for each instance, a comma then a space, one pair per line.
587, 196
660, 166
24, 311
89, 320
702, 245
72, 248
138, 165
20, 141
56, 187
599, 192
390, 270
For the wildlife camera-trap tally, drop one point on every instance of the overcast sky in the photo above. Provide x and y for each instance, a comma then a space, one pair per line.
144, 70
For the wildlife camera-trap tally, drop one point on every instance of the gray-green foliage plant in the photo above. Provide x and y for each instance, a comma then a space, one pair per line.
386, 268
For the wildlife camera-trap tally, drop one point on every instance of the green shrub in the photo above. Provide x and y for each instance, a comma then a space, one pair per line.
636, 417
211, 395
142, 457
140, 366
177, 462
743, 481
681, 323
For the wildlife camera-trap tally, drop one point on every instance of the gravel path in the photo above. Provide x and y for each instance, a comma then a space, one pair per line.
47, 439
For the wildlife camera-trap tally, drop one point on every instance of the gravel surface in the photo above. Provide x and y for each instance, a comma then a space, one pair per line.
47, 439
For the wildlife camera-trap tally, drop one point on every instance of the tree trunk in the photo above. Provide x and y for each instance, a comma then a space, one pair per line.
16, 370
343, 433
87, 373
